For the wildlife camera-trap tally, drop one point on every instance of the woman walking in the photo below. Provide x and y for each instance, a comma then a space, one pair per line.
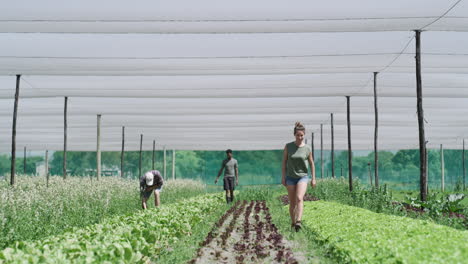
295, 172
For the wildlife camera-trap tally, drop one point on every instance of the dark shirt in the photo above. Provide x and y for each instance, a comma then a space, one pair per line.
157, 180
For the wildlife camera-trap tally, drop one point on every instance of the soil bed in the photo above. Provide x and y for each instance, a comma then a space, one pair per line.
245, 234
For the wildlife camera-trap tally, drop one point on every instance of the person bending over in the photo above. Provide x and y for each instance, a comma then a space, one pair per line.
150, 182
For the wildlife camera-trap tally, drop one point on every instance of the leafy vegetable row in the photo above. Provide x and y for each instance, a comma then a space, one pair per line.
125, 239
356, 235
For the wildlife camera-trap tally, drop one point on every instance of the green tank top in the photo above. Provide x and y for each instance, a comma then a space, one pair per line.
297, 164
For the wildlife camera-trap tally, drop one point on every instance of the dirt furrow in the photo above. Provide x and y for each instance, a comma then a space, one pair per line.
245, 234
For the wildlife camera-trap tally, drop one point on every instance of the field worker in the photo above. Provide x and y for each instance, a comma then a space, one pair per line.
295, 171
230, 171
150, 182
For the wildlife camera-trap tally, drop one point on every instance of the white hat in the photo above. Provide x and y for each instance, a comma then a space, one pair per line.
149, 177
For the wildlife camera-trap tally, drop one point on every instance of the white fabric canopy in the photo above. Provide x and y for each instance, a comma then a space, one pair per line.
214, 75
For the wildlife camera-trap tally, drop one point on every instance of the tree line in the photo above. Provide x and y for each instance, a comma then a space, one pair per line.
255, 167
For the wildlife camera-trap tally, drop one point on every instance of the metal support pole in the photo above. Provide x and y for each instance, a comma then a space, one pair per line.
164, 166
98, 148
370, 174
173, 164
422, 138
350, 152
427, 166
46, 165
464, 170
321, 150
122, 153
13, 133
332, 148
141, 156
376, 133
65, 138
154, 148
24, 161
312, 146
442, 168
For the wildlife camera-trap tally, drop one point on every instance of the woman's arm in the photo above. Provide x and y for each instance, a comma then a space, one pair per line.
312, 170
285, 160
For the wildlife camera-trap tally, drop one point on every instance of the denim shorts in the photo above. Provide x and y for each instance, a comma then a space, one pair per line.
295, 181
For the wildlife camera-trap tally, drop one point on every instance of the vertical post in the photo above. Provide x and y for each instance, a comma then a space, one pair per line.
65, 138
350, 152
24, 161
321, 150
122, 153
422, 139
442, 168
464, 170
154, 148
173, 164
46, 165
370, 174
141, 155
332, 147
376, 133
312, 146
164, 166
427, 166
98, 148
13, 133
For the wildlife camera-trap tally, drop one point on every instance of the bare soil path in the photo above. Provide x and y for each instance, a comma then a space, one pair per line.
245, 234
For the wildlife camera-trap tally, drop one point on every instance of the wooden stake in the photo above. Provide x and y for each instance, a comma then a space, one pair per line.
422, 139
350, 152
332, 147
13, 133
65, 138
376, 132
122, 154
98, 148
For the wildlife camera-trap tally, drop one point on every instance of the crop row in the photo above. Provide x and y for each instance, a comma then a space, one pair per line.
356, 235
124, 239
255, 239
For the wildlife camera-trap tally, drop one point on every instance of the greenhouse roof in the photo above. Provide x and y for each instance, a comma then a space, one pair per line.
211, 75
